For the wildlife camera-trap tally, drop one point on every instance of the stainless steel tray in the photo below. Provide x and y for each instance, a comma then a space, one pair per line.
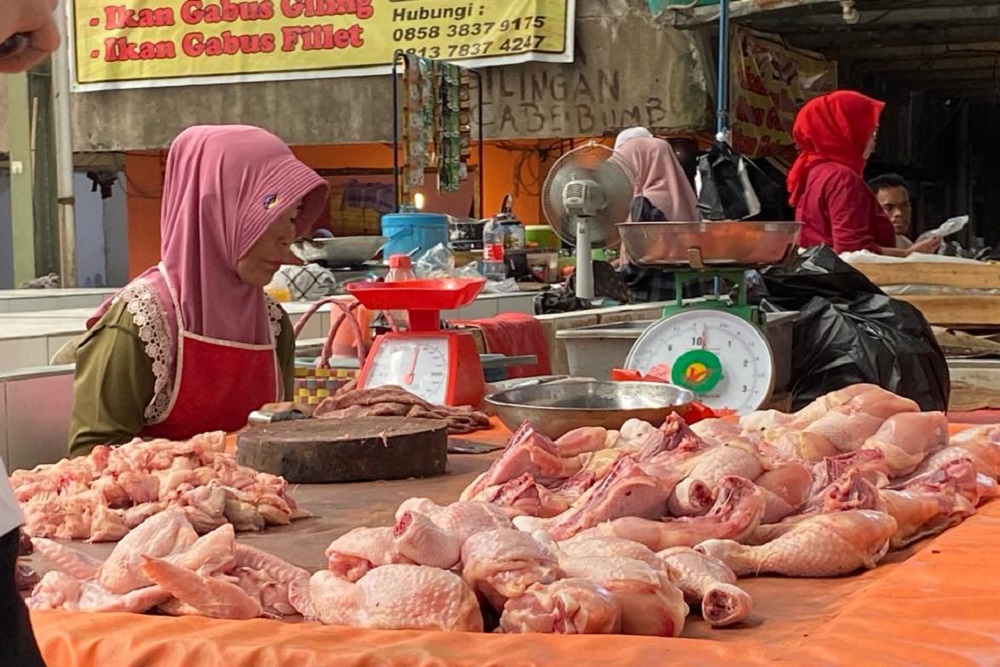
342, 251
701, 245
558, 408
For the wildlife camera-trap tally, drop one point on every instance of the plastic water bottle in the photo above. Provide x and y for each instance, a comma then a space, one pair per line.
494, 265
400, 270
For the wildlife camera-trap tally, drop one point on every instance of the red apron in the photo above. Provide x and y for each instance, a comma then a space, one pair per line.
217, 384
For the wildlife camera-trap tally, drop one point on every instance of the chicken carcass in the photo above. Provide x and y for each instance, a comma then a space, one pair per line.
848, 425
707, 582
527, 452
353, 554
397, 597
433, 535
502, 564
566, 606
825, 545
650, 603
908, 438
737, 512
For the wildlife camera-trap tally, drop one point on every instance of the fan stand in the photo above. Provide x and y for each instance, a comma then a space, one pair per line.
584, 260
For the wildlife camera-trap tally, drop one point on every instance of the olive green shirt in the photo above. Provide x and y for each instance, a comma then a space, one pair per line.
114, 380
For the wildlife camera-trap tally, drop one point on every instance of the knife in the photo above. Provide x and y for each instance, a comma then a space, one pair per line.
14, 44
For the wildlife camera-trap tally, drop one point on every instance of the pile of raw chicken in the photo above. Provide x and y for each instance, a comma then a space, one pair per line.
102, 496
606, 532
598, 532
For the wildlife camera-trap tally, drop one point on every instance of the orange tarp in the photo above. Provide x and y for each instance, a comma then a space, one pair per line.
932, 605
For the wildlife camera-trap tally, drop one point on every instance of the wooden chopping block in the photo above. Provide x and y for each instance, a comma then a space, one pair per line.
324, 451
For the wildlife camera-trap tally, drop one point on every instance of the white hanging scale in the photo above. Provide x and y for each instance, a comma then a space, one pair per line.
722, 357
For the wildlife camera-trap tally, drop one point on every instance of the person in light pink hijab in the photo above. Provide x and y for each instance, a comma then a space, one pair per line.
192, 345
662, 193
658, 176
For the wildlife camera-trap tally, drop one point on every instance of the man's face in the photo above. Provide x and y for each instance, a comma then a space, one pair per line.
896, 204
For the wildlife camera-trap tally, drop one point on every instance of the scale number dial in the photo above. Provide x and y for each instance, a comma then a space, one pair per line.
720, 356
418, 365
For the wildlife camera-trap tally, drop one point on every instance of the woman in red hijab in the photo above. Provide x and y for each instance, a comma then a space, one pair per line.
836, 134
194, 344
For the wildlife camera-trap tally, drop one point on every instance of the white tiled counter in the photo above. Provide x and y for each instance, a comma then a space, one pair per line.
29, 339
29, 300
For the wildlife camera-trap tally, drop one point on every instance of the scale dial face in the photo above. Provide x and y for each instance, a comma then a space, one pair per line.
719, 356
418, 365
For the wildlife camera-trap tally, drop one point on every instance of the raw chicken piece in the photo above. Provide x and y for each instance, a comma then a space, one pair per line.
786, 489
851, 491
636, 435
765, 420
692, 496
165, 534
58, 590
397, 597
595, 544
737, 511
826, 545
907, 439
717, 432
793, 443
523, 496
980, 443
825, 404
294, 578
210, 553
502, 564
139, 513
707, 581
436, 537
596, 466
674, 435
353, 554
107, 525
848, 425
567, 606
932, 503
213, 597
66, 559
650, 604
582, 440
869, 462
630, 489
528, 451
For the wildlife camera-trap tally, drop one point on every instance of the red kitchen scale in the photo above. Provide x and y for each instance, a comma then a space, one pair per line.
441, 367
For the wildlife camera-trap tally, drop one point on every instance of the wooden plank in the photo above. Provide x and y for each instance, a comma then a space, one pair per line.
957, 311
966, 276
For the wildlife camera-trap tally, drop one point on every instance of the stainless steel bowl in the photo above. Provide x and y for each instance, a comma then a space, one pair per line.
344, 251
558, 408
709, 244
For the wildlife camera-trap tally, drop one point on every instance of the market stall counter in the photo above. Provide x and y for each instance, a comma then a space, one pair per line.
931, 604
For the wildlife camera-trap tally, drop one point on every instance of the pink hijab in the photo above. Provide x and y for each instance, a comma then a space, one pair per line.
658, 176
224, 186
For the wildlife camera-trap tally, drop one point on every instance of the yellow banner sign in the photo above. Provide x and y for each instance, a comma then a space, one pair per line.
770, 83
147, 43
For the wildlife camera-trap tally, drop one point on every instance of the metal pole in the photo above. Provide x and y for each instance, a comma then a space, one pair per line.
395, 130
22, 201
479, 123
722, 94
64, 153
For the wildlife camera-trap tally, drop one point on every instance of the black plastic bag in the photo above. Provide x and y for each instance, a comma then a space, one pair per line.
724, 188
848, 331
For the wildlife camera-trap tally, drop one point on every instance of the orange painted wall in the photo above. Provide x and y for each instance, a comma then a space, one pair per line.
513, 167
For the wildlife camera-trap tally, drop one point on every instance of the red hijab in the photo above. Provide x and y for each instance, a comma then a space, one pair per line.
835, 127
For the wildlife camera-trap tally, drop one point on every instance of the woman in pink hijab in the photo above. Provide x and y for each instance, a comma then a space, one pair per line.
662, 194
194, 344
